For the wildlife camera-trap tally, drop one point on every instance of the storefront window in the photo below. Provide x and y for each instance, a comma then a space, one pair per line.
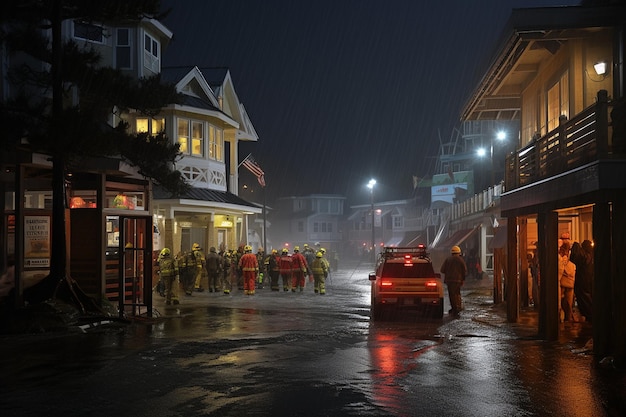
125, 200
83, 199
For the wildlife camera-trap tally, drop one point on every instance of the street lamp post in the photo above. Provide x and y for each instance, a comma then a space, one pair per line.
371, 185
500, 136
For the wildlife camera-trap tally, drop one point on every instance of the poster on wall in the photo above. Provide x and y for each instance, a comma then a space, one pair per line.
36, 241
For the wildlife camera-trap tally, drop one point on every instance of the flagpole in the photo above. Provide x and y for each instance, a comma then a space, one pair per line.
243, 160
264, 223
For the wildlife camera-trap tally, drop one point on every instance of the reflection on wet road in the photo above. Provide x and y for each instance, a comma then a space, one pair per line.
293, 354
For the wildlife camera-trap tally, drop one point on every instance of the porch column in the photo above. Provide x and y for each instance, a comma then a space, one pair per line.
523, 262
608, 287
512, 277
618, 281
168, 235
547, 248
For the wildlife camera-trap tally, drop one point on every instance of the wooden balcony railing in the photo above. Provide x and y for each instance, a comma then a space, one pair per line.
576, 142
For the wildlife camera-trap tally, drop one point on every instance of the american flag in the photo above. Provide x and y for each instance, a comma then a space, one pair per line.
253, 167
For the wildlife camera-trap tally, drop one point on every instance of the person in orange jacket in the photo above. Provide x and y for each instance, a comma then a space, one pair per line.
249, 265
300, 269
285, 265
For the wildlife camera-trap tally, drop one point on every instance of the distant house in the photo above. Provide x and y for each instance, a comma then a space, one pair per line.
312, 219
560, 71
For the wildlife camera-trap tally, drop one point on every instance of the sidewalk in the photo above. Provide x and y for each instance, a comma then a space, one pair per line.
527, 326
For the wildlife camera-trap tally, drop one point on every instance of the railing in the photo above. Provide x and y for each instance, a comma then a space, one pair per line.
476, 204
576, 142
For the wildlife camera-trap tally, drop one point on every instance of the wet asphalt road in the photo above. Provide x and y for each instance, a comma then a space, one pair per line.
302, 354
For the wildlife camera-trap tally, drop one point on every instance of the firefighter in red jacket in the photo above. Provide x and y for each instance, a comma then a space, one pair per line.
249, 266
285, 265
300, 270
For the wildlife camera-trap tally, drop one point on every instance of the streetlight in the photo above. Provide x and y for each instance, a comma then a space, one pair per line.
481, 152
371, 185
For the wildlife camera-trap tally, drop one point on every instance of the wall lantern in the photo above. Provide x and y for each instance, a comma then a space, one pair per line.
600, 68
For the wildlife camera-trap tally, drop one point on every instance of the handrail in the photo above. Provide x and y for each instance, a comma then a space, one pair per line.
574, 143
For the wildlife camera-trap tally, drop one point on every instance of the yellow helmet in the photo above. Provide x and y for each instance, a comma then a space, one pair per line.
296, 248
323, 250
285, 251
319, 254
455, 250
247, 248
274, 251
165, 252
196, 246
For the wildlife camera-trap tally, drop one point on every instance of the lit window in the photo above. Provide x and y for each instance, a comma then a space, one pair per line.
558, 101
151, 126
183, 135
142, 125
197, 139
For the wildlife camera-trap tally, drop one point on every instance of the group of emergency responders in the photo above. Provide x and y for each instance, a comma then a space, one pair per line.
220, 271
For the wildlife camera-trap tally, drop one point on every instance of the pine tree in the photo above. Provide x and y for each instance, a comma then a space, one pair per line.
62, 99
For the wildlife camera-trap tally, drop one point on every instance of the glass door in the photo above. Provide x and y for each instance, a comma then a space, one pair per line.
130, 247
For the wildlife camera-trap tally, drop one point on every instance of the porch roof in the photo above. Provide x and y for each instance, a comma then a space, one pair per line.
531, 36
203, 194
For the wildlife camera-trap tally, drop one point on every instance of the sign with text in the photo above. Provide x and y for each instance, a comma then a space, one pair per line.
36, 241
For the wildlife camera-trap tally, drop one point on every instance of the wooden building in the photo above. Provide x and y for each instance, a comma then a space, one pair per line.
560, 71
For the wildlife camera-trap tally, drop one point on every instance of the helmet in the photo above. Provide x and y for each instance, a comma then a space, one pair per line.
274, 251
319, 254
455, 250
165, 252
285, 251
323, 250
196, 246
247, 248
306, 245
296, 248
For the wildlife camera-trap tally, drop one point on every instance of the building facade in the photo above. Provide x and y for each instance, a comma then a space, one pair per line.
114, 226
561, 72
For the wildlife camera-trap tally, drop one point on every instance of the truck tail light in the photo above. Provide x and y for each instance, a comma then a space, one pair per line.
431, 285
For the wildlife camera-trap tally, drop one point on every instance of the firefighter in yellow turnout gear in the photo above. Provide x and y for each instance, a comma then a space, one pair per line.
202, 278
320, 272
168, 270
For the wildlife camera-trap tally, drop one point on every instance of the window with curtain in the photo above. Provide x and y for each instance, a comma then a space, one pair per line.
558, 101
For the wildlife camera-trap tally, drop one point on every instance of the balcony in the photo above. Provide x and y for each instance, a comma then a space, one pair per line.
577, 142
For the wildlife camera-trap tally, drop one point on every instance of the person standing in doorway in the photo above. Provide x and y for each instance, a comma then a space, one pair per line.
455, 270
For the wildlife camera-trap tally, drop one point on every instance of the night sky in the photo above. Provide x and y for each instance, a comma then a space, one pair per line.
341, 91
